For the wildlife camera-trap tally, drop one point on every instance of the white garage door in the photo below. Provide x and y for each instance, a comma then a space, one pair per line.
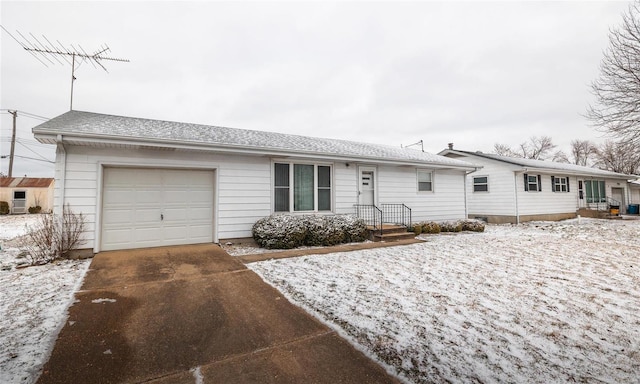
156, 207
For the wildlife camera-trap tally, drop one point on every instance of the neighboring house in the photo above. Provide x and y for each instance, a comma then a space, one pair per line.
634, 191
143, 183
514, 190
21, 193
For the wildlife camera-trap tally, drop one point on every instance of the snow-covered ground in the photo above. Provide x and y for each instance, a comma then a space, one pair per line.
542, 302
33, 302
535, 303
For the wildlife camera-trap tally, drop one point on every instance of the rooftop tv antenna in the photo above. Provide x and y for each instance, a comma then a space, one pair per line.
44, 49
420, 143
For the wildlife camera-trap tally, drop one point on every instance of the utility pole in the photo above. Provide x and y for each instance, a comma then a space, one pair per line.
13, 141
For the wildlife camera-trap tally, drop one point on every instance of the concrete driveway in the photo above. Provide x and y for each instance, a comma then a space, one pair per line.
194, 314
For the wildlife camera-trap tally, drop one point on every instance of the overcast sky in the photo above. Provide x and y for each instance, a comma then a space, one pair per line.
471, 73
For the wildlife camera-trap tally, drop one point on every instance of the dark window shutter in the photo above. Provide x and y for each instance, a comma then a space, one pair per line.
568, 185
526, 182
553, 184
539, 183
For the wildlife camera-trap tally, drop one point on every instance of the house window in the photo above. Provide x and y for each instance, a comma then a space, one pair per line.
425, 181
532, 183
481, 184
281, 188
559, 184
595, 191
19, 195
302, 187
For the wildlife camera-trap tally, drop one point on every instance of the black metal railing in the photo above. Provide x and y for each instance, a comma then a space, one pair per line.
396, 214
371, 215
375, 217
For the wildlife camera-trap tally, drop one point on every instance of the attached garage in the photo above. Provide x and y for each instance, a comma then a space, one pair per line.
144, 207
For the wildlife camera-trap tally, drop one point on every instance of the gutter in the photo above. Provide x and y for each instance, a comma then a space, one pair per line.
515, 191
466, 207
147, 143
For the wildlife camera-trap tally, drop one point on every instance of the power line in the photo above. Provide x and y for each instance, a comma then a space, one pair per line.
34, 152
28, 158
26, 114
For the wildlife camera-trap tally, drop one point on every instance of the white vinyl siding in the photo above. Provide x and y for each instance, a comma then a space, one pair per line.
397, 185
242, 196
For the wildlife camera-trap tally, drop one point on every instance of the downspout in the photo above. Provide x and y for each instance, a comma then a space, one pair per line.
61, 160
515, 190
466, 207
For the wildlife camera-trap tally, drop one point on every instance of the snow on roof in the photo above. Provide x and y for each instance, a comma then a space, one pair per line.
25, 182
548, 165
97, 126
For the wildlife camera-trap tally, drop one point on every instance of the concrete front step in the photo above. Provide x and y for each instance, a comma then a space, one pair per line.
392, 233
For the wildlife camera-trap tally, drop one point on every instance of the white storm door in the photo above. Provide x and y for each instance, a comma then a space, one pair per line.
367, 190
156, 207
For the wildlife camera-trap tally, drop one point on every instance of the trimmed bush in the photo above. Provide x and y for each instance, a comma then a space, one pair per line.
354, 228
36, 209
4, 208
287, 231
417, 229
431, 227
473, 225
451, 226
279, 232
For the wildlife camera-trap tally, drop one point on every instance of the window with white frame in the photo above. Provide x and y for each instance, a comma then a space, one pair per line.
532, 183
481, 184
425, 181
302, 187
559, 184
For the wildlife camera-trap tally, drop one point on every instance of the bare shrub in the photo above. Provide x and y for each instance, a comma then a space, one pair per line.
431, 227
473, 225
54, 236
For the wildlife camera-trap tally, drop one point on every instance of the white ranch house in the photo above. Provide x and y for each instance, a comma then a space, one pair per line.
514, 190
145, 183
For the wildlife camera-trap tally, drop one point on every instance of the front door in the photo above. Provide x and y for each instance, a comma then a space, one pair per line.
618, 195
581, 199
367, 190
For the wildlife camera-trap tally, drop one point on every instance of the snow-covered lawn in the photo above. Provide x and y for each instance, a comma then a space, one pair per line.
33, 303
535, 303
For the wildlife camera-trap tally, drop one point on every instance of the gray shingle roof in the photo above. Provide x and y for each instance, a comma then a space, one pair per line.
549, 165
100, 126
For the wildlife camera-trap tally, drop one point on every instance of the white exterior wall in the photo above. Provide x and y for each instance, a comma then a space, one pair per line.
500, 198
634, 194
400, 185
546, 201
243, 184
345, 180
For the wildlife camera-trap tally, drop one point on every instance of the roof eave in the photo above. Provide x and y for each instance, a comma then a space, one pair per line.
50, 137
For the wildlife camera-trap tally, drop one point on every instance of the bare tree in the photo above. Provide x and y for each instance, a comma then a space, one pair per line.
583, 152
560, 157
617, 89
612, 157
536, 148
504, 150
